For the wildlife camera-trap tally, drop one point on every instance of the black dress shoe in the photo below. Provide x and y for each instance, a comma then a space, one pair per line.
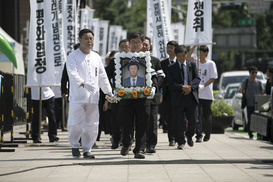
206, 138
88, 155
124, 150
36, 141
114, 145
150, 150
172, 143
198, 140
76, 152
189, 141
139, 155
55, 139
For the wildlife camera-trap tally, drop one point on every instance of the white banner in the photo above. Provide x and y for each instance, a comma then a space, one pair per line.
90, 17
96, 30
57, 43
123, 35
198, 27
114, 37
162, 27
68, 25
83, 18
103, 32
178, 30
40, 55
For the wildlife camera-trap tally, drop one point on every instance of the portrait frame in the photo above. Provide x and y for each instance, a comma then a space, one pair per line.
122, 61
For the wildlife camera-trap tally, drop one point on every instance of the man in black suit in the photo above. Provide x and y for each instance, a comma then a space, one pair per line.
167, 121
183, 81
135, 112
151, 140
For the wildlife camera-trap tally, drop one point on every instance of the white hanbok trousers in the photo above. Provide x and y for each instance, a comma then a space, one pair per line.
83, 122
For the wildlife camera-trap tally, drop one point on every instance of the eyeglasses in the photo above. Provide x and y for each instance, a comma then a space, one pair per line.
137, 42
254, 72
124, 47
88, 38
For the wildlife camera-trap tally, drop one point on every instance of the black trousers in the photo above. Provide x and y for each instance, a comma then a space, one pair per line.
151, 140
58, 112
48, 105
131, 110
167, 118
115, 124
204, 117
187, 107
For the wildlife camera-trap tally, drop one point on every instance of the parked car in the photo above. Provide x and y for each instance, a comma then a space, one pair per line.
240, 116
237, 77
230, 91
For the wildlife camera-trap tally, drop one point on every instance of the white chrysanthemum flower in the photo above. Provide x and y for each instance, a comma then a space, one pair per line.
129, 54
123, 54
147, 53
149, 83
141, 54
148, 76
118, 72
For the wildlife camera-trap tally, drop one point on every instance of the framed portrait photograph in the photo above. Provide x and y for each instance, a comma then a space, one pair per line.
133, 75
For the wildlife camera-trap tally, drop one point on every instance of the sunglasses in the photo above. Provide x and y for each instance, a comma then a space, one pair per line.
254, 72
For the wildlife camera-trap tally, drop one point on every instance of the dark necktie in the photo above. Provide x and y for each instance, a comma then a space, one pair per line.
134, 82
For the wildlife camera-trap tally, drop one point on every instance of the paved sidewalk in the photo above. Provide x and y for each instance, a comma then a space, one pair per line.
226, 157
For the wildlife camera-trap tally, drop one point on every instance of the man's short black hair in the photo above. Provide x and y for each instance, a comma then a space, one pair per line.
204, 48
83, 31
173, 42
132, 64
123, 40
179, 49
136, 35
252, 68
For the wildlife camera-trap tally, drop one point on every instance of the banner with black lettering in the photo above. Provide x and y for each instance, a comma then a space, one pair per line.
178, 30
198, 27
103, 32
57, 42
162, 27
40, 53
96, 30
114, 37
69, 25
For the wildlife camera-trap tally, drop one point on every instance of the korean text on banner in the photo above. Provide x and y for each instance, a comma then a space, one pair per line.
40, 55
198, 27
69, 25
162, 27
57, 43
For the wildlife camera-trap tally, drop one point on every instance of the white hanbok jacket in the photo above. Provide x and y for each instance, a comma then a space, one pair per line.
86, 68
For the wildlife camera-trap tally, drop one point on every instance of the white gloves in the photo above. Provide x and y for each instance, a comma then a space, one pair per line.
89, 87
111, 98
152, 94
201, 87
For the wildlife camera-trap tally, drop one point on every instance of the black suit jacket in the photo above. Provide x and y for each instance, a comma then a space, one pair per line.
176, 81
157, 81
164, 65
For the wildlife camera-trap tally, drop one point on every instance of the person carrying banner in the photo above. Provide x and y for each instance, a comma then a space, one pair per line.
47, 97
86, 76
151, 139
167, 120
208, 73
183, 81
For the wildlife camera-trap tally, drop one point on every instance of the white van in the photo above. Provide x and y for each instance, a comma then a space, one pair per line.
237, 77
